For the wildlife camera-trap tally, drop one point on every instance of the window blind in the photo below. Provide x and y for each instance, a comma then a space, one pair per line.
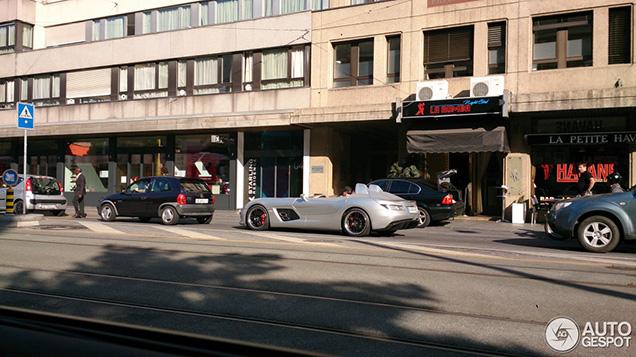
619, 35
91, 83
448, 45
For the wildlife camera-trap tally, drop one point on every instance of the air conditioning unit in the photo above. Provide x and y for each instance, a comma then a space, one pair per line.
181, 93
431, 90
123, 97
491, 86
70, 101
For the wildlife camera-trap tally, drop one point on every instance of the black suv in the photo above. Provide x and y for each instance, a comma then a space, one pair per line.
435, 205
168, 198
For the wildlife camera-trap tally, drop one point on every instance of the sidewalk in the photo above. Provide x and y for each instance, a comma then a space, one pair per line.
481, 223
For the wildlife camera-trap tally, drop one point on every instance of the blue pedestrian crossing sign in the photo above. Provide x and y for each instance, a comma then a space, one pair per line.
10, 177
25, 116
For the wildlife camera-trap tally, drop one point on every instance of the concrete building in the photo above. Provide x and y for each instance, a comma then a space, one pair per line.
278, 98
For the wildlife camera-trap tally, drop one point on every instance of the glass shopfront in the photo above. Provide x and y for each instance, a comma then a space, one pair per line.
208, 157
138, 157
91, 155
273, 164
560, 145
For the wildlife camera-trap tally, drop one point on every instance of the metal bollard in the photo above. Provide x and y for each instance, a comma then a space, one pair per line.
9, 209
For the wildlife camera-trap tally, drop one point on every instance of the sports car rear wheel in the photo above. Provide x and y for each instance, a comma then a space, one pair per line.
598, 234
356, 223
257, 218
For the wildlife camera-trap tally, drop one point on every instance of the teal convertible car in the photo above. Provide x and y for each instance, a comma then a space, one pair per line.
599, 222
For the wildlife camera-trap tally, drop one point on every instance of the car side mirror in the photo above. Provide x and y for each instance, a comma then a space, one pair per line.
302, 196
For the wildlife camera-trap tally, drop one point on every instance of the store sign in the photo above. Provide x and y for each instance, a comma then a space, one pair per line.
251, 179
582, 139
452, 107
581, 125
432, 3
570, 172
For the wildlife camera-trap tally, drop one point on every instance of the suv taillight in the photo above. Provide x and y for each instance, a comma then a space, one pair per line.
28, 185
61, 188
181, 199
447, 200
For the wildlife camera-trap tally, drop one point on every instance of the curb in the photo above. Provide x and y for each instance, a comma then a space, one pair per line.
20, 220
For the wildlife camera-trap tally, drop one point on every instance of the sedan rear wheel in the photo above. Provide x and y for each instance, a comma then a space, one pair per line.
169, 215
356, 223
107, 212
424, 218
598, 234
257, 218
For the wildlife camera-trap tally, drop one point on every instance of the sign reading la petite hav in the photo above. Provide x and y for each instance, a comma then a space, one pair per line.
582, 139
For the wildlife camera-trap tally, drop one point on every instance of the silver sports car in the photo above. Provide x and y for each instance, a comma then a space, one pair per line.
367, 209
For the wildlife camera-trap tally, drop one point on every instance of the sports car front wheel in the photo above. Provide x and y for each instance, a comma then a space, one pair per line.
257, 218
356, 223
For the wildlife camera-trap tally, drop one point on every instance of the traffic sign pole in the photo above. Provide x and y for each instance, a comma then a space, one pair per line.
26, 120
24, 199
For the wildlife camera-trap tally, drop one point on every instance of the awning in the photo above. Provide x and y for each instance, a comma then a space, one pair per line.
457, 140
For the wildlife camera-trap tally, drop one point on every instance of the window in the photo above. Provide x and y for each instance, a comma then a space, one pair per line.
289, 6
213, 75
151, 80
248, 10
393, 61
7, 94
353, 64
27, 36
562, 41
174, 18
620, 35
497, 48
283, 68
227, 11
88, 86
7, 38
448, 53
46, 90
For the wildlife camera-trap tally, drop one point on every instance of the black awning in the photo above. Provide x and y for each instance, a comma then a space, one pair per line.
457, 140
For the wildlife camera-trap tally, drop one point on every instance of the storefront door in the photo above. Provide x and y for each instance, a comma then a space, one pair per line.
274, 177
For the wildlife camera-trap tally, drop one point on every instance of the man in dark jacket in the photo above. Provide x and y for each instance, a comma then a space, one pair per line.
80, 192
586, 181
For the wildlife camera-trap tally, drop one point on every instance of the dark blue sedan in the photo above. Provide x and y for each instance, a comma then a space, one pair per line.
599, 222
168, 198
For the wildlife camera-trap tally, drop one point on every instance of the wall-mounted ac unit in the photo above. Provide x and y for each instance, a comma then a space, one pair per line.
490, 86
70, 101
181, 93
431, 90
123, 97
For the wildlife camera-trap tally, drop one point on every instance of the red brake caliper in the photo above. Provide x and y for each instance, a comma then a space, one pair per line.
263, 218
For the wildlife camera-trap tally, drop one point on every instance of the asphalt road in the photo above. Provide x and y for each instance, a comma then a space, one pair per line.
466, 287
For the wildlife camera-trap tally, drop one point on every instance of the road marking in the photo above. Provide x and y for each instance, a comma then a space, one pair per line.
438, 251
99, 227
187, 233
276, 236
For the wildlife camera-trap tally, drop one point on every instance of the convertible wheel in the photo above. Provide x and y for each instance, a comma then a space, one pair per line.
107, 212
551, 234
169, 215
424, 218
204, 219
598, 234
257, 218
356, 223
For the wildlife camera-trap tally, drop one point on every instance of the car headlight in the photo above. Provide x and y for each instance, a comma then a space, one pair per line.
561, 205
394, 207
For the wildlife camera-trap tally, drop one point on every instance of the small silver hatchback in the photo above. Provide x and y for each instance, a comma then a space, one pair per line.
43, 194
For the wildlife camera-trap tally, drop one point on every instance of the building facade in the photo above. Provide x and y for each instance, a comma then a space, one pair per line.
276, 98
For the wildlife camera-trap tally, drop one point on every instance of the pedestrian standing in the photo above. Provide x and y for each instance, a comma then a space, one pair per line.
80, 192
586, 181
